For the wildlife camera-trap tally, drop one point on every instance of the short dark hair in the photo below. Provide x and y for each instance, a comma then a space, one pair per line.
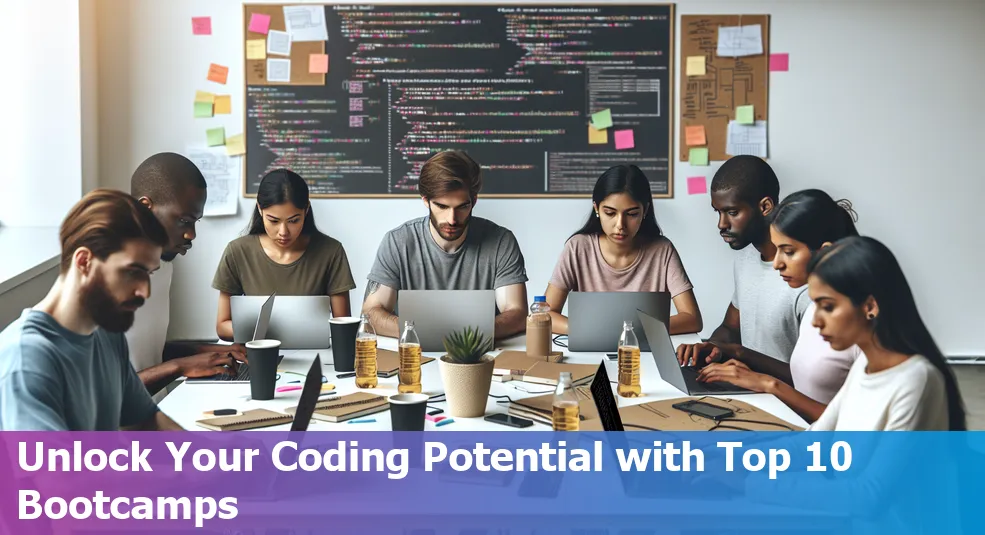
163, 175
750, 176
103, 220
450, 171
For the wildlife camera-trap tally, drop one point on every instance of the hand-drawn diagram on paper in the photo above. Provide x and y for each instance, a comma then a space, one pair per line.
222, 177
711, 99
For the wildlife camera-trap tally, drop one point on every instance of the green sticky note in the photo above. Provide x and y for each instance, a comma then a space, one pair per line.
744, 115
602, 119
215, 136
698, 156
203, 109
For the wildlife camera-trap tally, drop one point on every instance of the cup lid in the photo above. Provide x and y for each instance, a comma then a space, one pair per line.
409, 399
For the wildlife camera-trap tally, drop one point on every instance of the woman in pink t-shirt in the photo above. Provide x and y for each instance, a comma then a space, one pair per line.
621, 249
802, 224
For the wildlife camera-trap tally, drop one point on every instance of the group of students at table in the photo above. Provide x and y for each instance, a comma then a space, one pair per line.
821, 317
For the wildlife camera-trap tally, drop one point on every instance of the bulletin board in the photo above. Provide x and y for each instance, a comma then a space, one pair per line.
405, 84
710, 100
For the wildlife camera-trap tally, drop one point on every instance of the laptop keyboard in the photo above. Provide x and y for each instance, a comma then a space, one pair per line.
691, 377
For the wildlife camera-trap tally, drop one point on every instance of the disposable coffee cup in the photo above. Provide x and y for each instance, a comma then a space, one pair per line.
407, 411
344, 343
262, 356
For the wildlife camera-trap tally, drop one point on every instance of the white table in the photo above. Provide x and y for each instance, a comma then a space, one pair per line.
187, 402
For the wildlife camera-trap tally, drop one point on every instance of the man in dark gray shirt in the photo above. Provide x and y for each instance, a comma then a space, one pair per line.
64, 364
448, 250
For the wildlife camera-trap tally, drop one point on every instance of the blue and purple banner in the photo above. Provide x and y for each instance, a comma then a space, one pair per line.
492, 483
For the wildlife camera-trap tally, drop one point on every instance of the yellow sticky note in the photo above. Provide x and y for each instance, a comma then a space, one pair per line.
256, 49
236, 145
223, 105
204, 96
215, 136
745, 115
596, 136
695, 65
698, 157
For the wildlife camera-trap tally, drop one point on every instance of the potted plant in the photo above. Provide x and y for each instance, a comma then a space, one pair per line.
466, 372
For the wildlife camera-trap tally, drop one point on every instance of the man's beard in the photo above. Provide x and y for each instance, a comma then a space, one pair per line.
104, 310
445, 232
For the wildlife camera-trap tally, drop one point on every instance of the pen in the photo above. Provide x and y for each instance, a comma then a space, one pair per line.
366, 421
446, 421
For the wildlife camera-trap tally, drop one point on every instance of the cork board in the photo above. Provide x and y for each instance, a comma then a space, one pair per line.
711, 99
256, 69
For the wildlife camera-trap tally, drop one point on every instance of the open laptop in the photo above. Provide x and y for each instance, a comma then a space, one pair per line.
298, 321
438, 313
595, 318
259, 332
683, 378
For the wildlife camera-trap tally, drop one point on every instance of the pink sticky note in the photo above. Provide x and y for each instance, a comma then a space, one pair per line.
696, 185
202, 25
624, 139
259, 23
779, 62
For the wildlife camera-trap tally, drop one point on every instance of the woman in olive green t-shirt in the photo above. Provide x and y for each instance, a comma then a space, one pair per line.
283, 253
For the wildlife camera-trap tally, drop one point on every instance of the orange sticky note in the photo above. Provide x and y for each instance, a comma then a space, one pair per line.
318, 63
693, 135
218, 73
223, 105
596, 136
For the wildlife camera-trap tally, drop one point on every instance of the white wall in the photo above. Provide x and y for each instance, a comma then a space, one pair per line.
881, 105
41, 148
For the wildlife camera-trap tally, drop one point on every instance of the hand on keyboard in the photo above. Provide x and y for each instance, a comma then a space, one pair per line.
208, 364
738, 374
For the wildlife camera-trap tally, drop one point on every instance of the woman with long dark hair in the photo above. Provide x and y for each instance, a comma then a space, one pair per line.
901, 381
802, 224
282, 252
621, 249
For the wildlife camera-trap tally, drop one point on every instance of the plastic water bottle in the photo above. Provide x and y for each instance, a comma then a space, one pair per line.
566, 413
539, 328
410, 360
629, 362
366, 354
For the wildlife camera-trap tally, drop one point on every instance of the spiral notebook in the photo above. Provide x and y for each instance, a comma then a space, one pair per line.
253, 419
348, 407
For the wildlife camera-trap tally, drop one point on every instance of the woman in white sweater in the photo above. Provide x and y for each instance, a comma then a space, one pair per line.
901, 381
803, 223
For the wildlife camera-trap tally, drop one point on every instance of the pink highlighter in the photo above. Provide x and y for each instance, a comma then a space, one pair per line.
434, 419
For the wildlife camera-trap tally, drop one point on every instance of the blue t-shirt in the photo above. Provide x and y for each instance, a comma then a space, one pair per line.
53, 379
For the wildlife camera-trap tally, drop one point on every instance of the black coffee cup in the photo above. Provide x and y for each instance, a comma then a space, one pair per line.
262, 356
407, 411
344, 343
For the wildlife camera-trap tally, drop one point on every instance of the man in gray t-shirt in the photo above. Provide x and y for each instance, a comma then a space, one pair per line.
763, 319
64, 364
448, 250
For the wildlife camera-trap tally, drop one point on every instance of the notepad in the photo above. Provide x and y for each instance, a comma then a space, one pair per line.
540, 408
388, 362
253, 419
548, 373
348, 407
518, 362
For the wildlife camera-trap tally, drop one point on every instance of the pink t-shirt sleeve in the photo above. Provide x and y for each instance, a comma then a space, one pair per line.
564, 276
677, 280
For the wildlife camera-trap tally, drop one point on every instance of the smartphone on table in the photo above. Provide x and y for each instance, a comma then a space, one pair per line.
508, 420
705, 410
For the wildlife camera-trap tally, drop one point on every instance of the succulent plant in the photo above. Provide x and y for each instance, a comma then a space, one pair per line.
467, 346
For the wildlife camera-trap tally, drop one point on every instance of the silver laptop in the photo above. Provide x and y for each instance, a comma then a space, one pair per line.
260, 324
595, 318
437, 313
298, 321
684, 378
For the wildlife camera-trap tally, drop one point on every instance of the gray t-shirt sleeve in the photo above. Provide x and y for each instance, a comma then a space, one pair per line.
801, 304
386, 267
137, 407
31, 400
510, 268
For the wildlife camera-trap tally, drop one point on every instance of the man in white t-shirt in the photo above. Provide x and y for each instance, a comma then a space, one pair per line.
765, 311
175, 191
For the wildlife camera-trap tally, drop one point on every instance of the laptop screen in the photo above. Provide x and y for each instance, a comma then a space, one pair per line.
605, 402
309, 397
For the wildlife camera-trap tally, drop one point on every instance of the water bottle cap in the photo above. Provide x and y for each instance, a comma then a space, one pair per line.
540, 299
